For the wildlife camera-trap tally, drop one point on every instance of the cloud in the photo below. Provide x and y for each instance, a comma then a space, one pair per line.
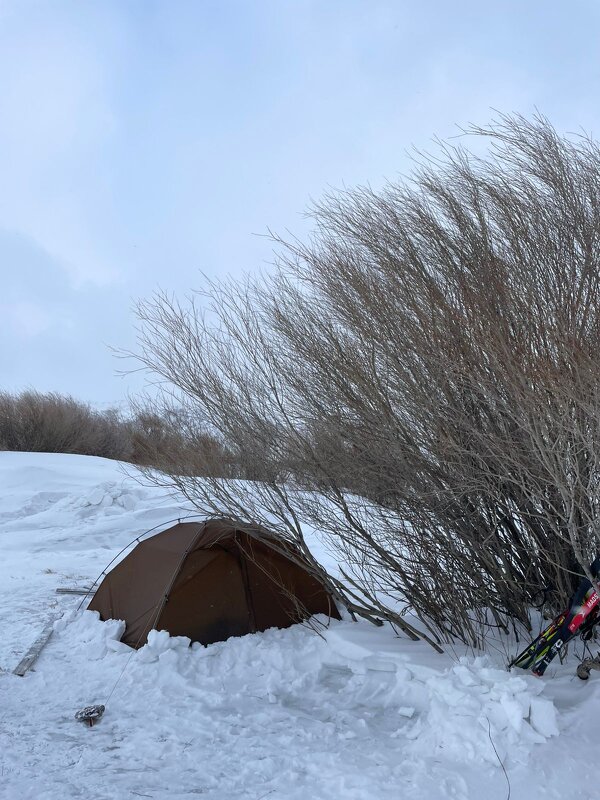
53, 335
56, 118
36, 298
27, 320
143, 142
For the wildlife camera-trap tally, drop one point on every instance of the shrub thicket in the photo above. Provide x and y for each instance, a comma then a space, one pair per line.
54, 423
433, 350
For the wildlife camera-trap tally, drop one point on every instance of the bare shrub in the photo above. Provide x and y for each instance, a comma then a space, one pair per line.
420, 381
53, 423
148, 435
169, 439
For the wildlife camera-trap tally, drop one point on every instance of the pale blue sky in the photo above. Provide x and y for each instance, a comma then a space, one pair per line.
142, 142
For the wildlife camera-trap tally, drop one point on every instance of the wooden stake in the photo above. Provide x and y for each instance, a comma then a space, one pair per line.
36, 648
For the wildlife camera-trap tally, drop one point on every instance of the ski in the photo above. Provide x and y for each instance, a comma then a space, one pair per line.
540, 645
582, 614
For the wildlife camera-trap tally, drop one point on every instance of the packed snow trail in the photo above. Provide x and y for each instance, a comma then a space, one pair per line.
356, 714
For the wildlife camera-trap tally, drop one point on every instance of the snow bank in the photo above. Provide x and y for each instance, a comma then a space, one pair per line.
468, 712
355, 713
475, 713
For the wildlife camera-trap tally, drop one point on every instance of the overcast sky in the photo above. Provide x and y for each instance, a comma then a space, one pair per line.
145, 141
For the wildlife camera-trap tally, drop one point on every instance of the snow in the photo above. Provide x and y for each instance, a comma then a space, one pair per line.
355, 713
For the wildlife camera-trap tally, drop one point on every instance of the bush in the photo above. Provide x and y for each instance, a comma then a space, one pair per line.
433, 349
52, 423
167, 439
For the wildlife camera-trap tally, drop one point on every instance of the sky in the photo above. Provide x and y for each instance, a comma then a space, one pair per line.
146, 143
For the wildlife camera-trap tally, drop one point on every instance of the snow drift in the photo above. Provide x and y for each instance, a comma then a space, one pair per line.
355, 713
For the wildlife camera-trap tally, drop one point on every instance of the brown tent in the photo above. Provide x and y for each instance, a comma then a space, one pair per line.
209, 581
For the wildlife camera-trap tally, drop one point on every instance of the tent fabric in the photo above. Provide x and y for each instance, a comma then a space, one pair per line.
210, 581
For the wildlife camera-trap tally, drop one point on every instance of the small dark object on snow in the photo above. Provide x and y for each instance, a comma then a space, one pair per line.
586, 666
90, 714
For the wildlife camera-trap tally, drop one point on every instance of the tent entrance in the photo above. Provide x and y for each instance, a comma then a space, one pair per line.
208, 601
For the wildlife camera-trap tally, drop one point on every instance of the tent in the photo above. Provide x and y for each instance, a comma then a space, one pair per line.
209, 581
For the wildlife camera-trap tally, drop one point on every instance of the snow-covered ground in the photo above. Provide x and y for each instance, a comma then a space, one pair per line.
356, 714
